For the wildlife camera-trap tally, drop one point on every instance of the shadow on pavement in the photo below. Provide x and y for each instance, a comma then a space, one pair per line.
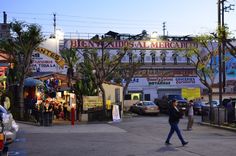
167, 149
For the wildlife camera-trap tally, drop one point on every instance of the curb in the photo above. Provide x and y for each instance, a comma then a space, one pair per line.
218, 126
64, 123
25, 122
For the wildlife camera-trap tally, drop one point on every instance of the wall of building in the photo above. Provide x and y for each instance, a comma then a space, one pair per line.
113, 92
164, 67
44, 63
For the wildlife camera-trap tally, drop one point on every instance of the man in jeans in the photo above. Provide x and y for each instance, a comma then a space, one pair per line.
174, 116
190, 116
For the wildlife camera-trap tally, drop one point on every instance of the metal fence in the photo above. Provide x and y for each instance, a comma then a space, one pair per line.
218, 115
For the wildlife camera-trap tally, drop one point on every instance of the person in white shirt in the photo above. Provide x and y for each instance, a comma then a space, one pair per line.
190, 115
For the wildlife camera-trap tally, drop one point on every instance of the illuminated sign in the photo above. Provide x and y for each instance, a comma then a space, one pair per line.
91, 102
117, 44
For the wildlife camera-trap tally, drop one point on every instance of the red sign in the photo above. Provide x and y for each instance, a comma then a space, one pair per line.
81, 44
2, 70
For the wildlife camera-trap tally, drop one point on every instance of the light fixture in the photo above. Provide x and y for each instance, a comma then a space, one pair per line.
154, 35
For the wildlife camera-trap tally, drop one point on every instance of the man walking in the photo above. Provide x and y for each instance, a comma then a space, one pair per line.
174, 116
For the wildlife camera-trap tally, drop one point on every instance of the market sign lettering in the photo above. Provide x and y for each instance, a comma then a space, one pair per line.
81, 44
159, 81
184, 80
58, 59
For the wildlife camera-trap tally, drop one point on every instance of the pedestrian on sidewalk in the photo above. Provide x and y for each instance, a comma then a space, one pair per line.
190, 115
174, 116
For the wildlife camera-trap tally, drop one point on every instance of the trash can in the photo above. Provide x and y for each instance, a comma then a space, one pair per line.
46, 118
51, 114
231, 112
219, 115
205, 114
41, 118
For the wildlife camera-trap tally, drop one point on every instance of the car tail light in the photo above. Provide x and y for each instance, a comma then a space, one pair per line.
145, 108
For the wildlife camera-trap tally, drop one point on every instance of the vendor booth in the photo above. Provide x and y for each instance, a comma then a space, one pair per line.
59, 95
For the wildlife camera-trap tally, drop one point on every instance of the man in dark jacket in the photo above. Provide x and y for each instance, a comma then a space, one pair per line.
174, 116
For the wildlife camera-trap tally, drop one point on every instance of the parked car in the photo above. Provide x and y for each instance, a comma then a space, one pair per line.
162, 104
165, 103
197, 107
3, 149
227, 100
145, 107
215, 103
9, 125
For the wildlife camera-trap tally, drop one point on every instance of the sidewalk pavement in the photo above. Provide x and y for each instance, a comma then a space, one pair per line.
134, 136
127, 115
219, 126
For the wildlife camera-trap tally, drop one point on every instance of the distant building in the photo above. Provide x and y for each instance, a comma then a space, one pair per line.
164, 70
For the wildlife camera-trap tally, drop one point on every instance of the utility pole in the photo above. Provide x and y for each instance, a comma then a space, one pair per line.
164, 28
224, 9
220, 51
223, 45
54, 23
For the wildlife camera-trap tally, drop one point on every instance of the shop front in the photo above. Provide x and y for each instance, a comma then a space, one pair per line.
151, 88
54, 93
4, 64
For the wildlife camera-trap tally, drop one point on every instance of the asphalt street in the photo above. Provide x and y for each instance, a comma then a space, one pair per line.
133, 136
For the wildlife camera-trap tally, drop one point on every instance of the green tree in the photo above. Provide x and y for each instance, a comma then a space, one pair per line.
25, 38
103, 62
86, 85
204, 59
71, 58
231, 48
126, 71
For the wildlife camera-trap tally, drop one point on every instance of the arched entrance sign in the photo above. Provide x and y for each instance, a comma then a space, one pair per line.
58, 59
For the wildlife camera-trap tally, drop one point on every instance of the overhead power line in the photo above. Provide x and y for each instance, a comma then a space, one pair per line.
61, 16
74, 23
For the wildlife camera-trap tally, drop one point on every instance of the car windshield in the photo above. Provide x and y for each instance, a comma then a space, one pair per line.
176, 97
148, 103
199, 103
214, 102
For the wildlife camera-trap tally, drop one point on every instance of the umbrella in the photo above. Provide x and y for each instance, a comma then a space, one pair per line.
30, 82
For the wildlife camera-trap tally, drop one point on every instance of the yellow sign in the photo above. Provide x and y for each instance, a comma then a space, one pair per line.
108, 104
135, 96
91, 102
58, 59
191, 93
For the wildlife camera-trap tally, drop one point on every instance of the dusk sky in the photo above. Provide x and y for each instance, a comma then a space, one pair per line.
182, 17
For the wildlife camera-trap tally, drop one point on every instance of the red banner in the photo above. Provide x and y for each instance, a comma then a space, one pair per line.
81, 44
